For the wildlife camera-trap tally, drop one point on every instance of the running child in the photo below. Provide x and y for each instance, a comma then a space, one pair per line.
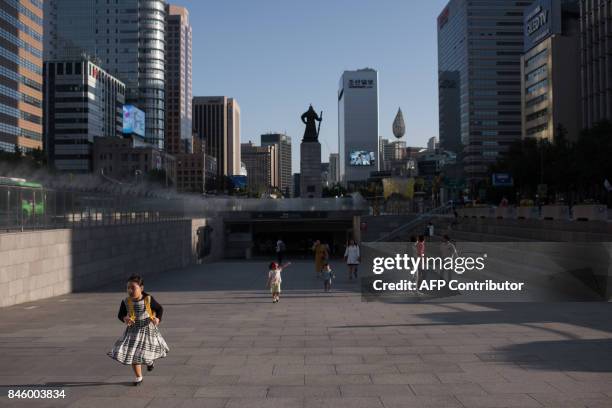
274, 280
142, 342
328, 276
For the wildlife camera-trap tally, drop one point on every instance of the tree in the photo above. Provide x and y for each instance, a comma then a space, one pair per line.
335, 190
573, 170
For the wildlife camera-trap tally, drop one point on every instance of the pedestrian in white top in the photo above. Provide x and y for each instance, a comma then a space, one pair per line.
352, 258
448, 250
430, 229
280, 251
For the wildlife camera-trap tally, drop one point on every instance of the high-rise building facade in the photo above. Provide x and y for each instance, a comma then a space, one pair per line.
126, 38
283, 150
325, 175
122, 159
262, 167
191, 171
596, 61
383, 146
81, 102
21, 65
449, 111
480, 43
233, 137
296, 185
334, 168
550, 70
432, 143
358, 125
391, 152
216, 121
179, 96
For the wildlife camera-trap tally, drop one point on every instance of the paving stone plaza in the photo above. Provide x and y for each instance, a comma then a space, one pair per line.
231, 347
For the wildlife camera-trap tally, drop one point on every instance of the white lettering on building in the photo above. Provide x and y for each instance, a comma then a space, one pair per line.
539, 20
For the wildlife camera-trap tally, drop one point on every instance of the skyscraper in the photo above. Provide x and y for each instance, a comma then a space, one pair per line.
391, 152
21, 67
126, 38
178, 131
262, 167
596, 61
283, 150
432, 143
216, 121
551, 70
358, 125
449, 111
233, 137
480, 44
82, 102
334, 163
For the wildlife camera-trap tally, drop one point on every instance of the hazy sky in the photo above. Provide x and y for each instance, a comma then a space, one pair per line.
277, 56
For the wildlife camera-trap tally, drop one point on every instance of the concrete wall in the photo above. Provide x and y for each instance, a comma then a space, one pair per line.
41, 264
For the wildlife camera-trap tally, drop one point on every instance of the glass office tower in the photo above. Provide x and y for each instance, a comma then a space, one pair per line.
283, 150
480, 43
126, 38
358, 147
179, 128
81, 102
21, 75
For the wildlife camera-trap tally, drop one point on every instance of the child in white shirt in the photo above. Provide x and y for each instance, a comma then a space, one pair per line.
274, 280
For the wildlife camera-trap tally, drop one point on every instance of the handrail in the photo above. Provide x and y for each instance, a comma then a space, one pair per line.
443, 209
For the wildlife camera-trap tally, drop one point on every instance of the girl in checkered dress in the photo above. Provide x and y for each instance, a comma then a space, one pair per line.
142, 342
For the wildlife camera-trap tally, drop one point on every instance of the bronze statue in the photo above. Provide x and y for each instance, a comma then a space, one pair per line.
309, 118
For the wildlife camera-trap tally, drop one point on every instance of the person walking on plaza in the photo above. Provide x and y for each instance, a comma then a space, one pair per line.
352, 257
448, 250
274, 280
321, 256
420, 251
142, 343
412, 251
280, 251
328, 277
420, 246
430, 230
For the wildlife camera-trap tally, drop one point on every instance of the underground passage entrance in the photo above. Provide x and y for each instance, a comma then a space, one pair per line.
298, 236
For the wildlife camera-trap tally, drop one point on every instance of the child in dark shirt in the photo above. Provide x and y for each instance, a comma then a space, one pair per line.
142, 342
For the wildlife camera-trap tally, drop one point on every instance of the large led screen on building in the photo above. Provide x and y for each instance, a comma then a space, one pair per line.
362, 158
133, 120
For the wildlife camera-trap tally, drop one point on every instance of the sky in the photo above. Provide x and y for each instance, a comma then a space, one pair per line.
278, 56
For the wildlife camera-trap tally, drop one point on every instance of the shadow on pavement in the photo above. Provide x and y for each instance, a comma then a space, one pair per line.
593, 355
64, 384
573, 352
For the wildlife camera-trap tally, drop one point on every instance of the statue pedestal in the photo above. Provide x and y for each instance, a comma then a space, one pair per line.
310, 170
